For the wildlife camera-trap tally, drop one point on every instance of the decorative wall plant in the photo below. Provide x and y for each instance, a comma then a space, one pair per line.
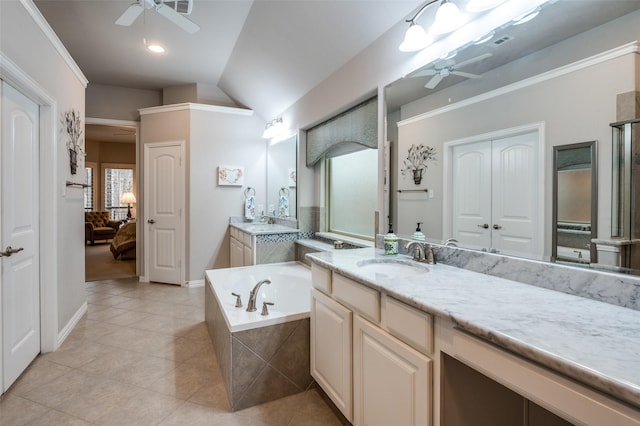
72, 127
417, 161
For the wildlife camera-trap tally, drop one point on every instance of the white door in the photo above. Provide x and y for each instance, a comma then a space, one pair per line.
515, 194
19, 240
495, 195
164, 203
472, 194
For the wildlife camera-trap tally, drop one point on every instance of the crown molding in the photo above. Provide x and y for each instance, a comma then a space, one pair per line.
599, 58
195, 107
48, 32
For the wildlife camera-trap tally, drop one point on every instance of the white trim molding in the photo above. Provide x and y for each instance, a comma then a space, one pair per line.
64, 333
195, 107
608, 55
48, 32
13, 74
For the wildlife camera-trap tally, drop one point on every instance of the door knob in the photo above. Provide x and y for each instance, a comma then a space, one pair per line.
9, 251
484, 226
496, 226
151, 221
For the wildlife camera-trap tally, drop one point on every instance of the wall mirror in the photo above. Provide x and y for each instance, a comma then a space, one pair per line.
575, 203
281, 177
532, 78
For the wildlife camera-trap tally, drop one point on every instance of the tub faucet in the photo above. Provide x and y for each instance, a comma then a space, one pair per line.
251, 306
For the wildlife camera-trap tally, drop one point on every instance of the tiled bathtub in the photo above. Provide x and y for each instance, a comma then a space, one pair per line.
262, 358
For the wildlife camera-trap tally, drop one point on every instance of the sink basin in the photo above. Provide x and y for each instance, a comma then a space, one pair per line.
391, 268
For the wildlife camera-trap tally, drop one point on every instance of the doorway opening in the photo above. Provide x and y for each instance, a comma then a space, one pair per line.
111, 157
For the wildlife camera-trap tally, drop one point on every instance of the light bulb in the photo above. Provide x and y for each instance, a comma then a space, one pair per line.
415, 39
448, 19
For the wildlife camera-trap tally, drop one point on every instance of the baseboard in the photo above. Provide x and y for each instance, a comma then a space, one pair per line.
64, 333
194, 283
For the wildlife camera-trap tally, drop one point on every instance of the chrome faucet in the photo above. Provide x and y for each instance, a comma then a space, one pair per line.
251, 306
419, 252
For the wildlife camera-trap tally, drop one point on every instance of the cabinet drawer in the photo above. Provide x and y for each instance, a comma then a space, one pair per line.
408, 324
362, 299
246, 239
234, 232
321, 278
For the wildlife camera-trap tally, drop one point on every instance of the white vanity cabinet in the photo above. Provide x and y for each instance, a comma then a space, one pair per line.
374, 373
241, 248
331, 349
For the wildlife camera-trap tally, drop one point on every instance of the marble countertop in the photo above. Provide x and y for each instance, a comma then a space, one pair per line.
593, 342
257, 228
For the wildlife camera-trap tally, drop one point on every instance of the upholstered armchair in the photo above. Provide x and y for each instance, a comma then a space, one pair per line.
98, 226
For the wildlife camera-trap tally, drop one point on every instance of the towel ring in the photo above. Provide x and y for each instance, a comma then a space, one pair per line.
284, 191
249, 192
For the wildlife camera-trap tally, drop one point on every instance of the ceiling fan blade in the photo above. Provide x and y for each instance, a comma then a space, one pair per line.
473, 60
431, 84
176, 18
465, 74
130, 15
425, 73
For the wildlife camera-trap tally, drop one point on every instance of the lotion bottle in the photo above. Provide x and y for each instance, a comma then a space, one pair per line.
390, 242
418, 235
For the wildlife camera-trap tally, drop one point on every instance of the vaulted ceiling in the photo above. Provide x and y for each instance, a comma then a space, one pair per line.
262, 54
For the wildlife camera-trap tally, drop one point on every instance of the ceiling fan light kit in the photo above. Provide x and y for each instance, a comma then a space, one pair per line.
174, 11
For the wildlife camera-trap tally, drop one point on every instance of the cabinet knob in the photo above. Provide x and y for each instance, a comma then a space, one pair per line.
484, 226
496, 226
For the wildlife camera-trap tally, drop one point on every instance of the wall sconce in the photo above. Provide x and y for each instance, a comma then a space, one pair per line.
448, 19
128, 198
273, 129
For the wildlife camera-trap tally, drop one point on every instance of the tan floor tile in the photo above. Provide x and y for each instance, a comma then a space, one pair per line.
91, 329
98, 399
17, 411
57, 418
196, 331
145, 371
278, 412
76, 352
137, 340
127, 319
196, 415
40, 372
102, 313
213, 395
61, 389
313, 411
183, 382
165, 324
144, 408
181, 349
112, 360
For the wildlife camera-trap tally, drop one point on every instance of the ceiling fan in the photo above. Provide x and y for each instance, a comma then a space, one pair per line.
448, 69
173, 10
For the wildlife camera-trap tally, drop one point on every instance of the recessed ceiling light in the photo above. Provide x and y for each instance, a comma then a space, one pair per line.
155, 48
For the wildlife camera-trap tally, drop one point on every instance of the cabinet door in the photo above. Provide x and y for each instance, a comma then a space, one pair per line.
237, 254
331, 340
391, 381
248, 256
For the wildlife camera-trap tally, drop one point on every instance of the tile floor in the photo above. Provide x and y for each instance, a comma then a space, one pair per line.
141, 356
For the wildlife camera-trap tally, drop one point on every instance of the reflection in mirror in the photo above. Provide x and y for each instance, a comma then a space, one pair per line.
540, 74
281, 177
575, 198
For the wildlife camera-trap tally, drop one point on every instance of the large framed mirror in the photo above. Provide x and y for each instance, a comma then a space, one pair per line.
282, 177
575, 203
536, 76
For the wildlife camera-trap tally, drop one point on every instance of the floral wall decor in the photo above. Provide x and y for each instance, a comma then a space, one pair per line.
230, 175
417, 161
72, 127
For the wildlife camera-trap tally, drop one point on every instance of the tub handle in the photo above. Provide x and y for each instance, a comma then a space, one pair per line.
238, 300
265, 310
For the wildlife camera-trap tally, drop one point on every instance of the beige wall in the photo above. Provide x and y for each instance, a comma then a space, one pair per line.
119, 103
212, 138
25, 44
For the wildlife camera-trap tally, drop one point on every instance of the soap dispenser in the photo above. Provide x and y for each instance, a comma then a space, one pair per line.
418, 235
390, 242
